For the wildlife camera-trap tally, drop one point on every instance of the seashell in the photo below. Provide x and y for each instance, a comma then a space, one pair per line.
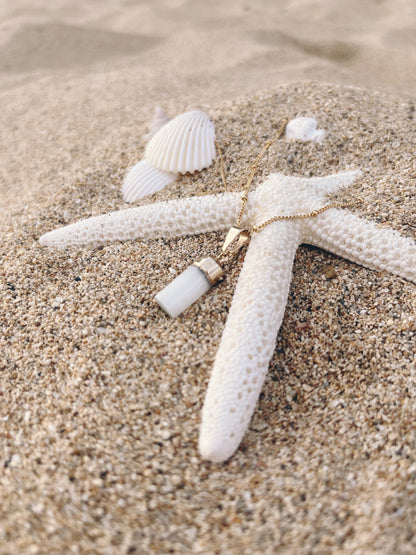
304, 129
185, 144
159, 120
144, 179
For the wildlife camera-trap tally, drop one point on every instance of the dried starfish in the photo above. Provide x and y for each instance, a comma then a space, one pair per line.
261, 293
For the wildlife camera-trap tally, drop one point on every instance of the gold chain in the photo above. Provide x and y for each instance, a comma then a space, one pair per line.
255, 228
253, 169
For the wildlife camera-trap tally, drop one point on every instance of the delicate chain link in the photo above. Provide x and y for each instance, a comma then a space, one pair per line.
256, 228
253, 169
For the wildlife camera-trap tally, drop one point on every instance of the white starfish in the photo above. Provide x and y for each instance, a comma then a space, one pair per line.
260, 296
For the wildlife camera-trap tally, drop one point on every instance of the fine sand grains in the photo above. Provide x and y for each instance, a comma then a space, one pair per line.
101, 392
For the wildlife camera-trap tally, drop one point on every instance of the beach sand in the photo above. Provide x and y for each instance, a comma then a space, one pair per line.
101, 392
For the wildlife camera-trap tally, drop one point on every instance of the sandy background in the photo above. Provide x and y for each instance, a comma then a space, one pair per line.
100, 392
78, 77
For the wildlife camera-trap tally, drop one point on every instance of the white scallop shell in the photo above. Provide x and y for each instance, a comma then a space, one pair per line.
304, 129
185, 144
144, 179
159, 120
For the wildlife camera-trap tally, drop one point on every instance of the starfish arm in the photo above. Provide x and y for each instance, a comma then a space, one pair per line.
331, 183
248, 340
364, 242
164, 219
319, 186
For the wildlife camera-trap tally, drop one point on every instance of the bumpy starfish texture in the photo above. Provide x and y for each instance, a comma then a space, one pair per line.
261, 293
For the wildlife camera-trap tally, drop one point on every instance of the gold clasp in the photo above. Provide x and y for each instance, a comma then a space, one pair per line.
236, 239
211, 269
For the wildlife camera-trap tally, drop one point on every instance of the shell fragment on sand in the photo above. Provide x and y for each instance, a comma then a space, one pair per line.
159, 120
304, 129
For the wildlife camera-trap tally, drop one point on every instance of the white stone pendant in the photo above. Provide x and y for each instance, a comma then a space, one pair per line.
189, 286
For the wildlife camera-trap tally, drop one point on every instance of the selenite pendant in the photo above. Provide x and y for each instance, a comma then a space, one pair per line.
189, 286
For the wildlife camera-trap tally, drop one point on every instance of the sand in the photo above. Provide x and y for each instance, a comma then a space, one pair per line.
100, 391
80, 79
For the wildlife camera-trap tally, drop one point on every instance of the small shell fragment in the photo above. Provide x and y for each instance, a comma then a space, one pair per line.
144, 179
159, 120
184, 144
304, 129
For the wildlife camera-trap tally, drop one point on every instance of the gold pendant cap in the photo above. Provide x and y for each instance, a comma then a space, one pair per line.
211, 269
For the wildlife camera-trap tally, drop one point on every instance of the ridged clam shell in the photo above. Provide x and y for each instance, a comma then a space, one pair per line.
144, 179
185, 144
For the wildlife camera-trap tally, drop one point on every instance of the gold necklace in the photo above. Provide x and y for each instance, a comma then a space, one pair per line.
202, 275
236, 231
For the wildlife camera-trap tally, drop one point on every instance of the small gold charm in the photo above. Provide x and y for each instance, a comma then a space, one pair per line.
236, 239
